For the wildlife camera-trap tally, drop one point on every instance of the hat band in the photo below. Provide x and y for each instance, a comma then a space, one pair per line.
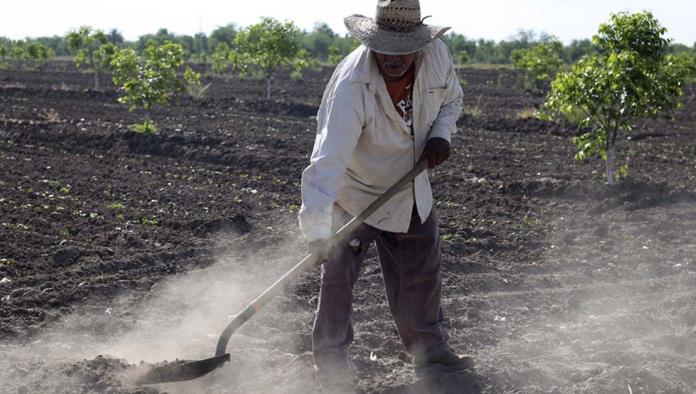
397, 25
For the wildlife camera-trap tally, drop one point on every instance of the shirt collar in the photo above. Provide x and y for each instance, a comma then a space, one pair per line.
365, 68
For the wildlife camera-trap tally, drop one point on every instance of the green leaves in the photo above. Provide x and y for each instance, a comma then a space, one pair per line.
36, 53
261, 50
18, 50
630, 78
341, 47
685, 63
39, 53
539, 62
92, 48
84, 42
18, 53
222, 59
269, 45
639, 32
153, 79
146, 127
104, 55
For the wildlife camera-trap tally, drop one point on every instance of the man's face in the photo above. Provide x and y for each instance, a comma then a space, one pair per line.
393, 67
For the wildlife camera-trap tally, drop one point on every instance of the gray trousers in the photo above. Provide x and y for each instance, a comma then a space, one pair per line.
410, 265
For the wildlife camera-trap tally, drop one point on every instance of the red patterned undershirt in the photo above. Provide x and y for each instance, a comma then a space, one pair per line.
401, 95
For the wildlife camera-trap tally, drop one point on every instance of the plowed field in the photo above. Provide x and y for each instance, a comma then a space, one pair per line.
117, 247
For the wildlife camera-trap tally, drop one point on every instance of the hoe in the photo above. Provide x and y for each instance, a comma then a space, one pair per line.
174, 372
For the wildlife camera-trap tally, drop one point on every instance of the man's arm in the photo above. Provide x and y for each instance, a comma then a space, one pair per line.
446, 122
340, 125
437, 149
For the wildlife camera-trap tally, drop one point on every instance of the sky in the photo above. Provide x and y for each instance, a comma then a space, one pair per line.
489, 19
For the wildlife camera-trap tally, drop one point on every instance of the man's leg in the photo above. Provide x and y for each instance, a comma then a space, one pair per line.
333, 330
411, 268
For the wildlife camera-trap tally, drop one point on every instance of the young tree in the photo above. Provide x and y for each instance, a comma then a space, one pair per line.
630, 78
162, 36
318, 41
687, 62
87, 44
577, 49
222, 60
3, 53
341, 47
18, 52
115, 37
269, 45
223, 35
39, 54
461, 48
540, 63
103, 57
201, 47
151, 80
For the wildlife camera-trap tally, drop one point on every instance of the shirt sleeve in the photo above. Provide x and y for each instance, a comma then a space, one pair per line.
339, 126
446, 122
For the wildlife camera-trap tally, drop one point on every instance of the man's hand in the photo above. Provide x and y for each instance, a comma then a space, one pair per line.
320, 248
437, 150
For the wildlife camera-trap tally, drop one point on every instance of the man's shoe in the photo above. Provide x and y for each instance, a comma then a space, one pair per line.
445, 358
336, 377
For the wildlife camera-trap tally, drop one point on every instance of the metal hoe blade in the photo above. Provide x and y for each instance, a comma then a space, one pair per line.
182, 372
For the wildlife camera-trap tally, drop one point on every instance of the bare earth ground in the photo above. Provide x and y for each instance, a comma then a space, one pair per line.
143, 248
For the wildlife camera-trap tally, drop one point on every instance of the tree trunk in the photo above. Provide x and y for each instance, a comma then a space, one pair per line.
268, 88
96, 80
611, 164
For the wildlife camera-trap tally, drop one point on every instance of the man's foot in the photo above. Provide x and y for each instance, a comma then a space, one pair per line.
444, 358
335, 376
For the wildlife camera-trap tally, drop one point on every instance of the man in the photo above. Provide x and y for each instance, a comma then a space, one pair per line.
390, 102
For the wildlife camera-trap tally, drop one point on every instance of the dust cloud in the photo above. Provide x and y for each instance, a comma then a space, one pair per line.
614, 312
181, 318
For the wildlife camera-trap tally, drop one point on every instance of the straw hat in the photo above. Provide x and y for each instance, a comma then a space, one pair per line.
396, 30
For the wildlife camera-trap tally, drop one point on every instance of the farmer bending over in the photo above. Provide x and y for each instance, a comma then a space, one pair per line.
391, 101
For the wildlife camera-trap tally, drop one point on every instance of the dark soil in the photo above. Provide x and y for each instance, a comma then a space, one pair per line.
554, 282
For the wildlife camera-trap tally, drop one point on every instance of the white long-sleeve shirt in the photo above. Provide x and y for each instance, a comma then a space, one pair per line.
363, 146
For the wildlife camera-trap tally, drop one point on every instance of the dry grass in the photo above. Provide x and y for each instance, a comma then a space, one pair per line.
527, 113
197, 91
473, 110
50, 115
15, 85
485, 66
63, 87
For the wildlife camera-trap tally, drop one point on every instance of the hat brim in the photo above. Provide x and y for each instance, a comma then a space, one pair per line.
366, 31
